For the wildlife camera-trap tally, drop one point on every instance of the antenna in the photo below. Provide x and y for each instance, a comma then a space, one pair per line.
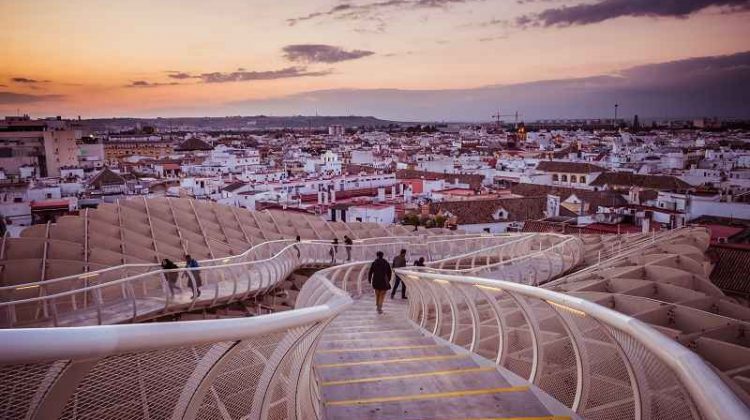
614, 123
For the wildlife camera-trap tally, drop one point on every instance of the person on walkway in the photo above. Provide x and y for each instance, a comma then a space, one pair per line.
190, 262
171, 276
380, 278
348, 244
334, 250
419, 262
299, 253
398, 262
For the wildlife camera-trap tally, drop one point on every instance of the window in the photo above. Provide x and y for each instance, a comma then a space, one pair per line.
564, 178
573, 179
582, 180
555, 178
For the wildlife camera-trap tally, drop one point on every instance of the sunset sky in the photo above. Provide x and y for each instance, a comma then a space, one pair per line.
195, 57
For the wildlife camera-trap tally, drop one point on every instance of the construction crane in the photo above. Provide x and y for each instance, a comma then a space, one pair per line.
498, 116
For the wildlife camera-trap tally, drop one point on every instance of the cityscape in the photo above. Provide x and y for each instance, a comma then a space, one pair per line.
409, 209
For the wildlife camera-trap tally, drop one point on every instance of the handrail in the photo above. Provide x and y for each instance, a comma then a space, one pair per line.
32, 345
175, 270
156, 279
572, 244
437, 264
222, 260
520, 238
713, 398
94, 273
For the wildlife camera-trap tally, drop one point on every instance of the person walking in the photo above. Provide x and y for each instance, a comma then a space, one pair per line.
334, 250
380, 276
171, 276
190, 262
348, 244
398, 262
299, 253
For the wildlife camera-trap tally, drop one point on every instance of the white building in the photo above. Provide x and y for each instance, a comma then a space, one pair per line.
369, 213
362, 157
336, 130
328, 163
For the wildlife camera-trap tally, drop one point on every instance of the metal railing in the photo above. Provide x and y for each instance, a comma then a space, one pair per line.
235, 368
600, 363
255, 367
87, 299
261, 251
529, 260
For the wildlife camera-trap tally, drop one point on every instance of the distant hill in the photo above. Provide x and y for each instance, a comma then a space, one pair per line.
260, 122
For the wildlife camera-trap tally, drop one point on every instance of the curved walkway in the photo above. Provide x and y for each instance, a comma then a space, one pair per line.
266, 366
101, 297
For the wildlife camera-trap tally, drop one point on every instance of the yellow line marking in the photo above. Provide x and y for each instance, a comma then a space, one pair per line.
326, 334
412, 375
426, 346
517, 418
355, 327
384, 361
369, 339
429, 396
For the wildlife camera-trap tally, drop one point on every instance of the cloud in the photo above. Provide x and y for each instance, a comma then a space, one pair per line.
179, 75
26, 80
349, 11
11, 98
147, 84
589, 13
319, 53
240, 75
706, 86
244, 75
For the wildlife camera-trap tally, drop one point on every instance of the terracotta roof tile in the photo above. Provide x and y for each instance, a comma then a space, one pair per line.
593, 198
483, 211
106, 177
628, 179
193, 144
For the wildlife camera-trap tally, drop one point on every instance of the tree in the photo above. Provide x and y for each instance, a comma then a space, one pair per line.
410, 219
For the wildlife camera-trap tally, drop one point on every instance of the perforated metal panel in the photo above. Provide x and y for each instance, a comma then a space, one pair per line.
22, 387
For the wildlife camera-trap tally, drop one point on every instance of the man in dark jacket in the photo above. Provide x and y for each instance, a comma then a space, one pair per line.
171, 276
334, 250
380, 276
398, 262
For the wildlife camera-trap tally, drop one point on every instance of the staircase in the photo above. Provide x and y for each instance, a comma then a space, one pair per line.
382, 366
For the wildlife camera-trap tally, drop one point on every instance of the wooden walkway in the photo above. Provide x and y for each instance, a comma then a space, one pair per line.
380, 366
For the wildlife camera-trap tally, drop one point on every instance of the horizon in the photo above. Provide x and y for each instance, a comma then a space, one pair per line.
554, 59
506, 120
